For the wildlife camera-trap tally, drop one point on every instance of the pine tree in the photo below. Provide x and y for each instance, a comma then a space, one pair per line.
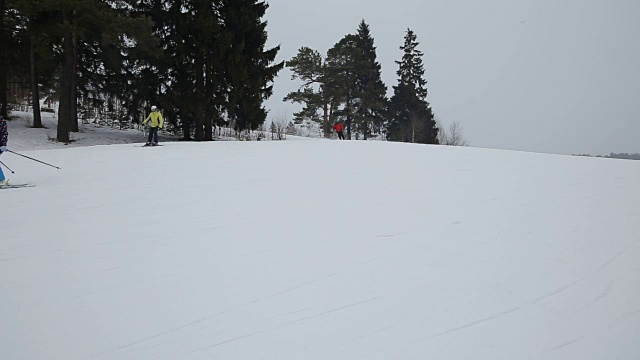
410, 116
346, 84
315, 93
342, 72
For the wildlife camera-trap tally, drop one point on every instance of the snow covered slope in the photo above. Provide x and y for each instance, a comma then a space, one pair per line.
22, 136
319, 250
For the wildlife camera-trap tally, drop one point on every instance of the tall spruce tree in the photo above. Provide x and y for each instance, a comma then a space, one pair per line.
168, 81
249, 67
189, 76
371, 91
210, 52
193, 25
410, 116
150, 75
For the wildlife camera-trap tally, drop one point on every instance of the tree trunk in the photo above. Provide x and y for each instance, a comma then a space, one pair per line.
199, 106
208, 120
208, 128
37, 119
66, 83
3, 87
64, 112
74, 76
413, 120
348, 108
186, 130
365, 130
326, 123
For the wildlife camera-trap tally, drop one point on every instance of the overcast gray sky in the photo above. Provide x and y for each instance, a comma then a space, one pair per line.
558, 76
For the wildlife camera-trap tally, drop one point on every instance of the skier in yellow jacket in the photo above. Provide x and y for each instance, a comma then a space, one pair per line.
156, 123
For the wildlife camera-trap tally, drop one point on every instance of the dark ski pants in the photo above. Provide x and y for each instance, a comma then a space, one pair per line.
340, 136
153, 135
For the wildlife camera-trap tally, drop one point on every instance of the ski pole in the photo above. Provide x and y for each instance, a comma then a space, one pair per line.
30, 158
8, 168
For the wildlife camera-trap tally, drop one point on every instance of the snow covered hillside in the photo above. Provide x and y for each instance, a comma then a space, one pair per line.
23, 137
318, 250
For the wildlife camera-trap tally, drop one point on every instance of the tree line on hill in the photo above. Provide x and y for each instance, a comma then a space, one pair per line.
346, 85
205, 62
625, 156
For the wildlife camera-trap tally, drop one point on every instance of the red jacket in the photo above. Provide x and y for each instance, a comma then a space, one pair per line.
338, 127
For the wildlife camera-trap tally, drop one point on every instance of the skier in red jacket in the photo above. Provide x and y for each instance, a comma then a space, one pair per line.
338, 127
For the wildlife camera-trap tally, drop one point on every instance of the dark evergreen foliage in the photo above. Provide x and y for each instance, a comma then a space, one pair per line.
200, 61
371, 91
346, 85
410, 116
248, 67
342, 62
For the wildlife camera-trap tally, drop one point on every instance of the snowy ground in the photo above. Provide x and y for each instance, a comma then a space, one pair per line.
24, 137
317, 250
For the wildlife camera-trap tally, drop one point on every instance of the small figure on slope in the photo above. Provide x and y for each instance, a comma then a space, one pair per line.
338, 127
156, 123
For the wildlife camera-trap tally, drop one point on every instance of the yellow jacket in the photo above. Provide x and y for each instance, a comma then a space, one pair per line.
156, 119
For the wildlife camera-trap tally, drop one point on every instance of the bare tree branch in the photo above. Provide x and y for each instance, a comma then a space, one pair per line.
453, 136
456, 137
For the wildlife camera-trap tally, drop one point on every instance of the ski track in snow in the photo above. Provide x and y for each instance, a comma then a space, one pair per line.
558, 291
473, 323
285, 324
566, 344
207, 318
155, 336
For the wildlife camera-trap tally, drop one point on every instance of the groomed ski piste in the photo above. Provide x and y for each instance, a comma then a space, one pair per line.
316, 250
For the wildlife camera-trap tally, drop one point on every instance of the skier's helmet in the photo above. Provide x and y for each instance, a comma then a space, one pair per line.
154, 108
